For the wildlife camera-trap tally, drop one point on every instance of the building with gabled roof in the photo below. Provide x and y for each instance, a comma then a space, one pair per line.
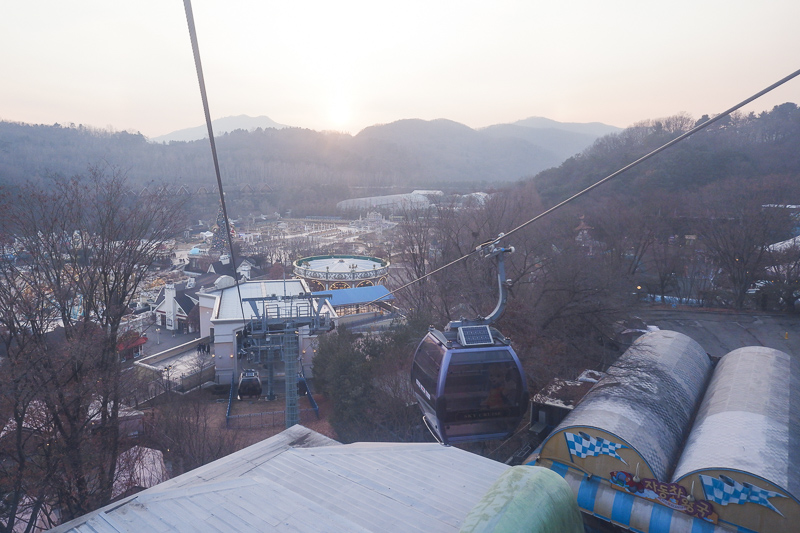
246, 268
174, 304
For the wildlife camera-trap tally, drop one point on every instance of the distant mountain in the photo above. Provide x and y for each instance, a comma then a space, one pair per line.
561, 143
221, 125
451, 151
406, 153
562, 139
594, 129
446, 151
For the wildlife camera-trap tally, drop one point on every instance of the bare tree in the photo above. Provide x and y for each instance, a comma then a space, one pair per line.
737, 229
184, 428
626, 232
783, 273
80, 249
667, 260
415, 234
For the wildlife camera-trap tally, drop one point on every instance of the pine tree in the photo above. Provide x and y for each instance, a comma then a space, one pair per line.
219, 240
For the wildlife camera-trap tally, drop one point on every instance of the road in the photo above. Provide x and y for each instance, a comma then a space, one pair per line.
719, 332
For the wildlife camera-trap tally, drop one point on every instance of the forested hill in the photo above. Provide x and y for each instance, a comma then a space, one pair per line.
746, 147
404, 153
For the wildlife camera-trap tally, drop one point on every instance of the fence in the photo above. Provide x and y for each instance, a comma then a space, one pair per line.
266, 419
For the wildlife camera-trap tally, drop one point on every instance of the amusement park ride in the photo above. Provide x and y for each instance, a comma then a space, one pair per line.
467, 378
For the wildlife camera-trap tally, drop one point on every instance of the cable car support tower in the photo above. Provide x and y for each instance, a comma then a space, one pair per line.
273, 334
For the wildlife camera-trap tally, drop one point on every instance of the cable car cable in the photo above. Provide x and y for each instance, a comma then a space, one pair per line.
629, 166
187, 4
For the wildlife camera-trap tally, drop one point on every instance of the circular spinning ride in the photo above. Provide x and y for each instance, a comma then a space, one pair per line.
332, 272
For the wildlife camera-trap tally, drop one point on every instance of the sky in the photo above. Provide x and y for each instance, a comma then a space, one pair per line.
346, 65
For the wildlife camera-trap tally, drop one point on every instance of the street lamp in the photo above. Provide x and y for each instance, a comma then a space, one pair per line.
167, 369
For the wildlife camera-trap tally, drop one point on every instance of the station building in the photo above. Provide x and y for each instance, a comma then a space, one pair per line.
224, 313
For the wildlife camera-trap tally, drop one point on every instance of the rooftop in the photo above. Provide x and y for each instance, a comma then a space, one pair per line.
300, 480
341, 263
357, 295
231, 308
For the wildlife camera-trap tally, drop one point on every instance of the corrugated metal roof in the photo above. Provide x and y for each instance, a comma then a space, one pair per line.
274, 486
749, 419
230, 307
648, 397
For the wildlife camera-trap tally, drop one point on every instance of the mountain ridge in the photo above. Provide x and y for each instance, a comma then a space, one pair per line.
425, 152
220, 125
248, 123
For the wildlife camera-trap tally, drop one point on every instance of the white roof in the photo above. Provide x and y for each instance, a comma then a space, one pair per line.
231, 309
302, 481
410, 200
344, 264
748, 421
785, 245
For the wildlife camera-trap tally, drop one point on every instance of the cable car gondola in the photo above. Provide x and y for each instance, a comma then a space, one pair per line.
249, 384
468, 380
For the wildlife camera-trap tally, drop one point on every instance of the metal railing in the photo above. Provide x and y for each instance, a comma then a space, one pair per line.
267, 419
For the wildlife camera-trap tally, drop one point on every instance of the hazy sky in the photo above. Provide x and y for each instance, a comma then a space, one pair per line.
346, 65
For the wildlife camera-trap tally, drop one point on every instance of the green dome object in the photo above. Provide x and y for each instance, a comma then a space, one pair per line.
529, 499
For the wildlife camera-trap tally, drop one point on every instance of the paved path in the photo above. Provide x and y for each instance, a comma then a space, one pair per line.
167, 341
719, 332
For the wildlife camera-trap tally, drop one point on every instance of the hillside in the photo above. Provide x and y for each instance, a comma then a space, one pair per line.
444, 151
221, 125
593, 129
744, 146
406, 153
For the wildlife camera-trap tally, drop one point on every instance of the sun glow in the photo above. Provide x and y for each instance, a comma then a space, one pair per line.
339, 115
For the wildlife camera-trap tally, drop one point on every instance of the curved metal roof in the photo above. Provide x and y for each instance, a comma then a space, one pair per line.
648, 397
749, 419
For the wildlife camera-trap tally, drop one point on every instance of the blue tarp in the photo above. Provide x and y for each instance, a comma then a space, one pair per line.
359, 295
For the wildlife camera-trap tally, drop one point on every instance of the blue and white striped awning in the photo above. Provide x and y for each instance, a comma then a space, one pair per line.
597, 497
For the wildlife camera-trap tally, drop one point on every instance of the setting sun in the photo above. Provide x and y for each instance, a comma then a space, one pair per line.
339, 115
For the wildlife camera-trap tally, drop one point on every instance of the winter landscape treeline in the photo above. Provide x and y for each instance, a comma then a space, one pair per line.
308, 171
741, 146
407, 153
698, 225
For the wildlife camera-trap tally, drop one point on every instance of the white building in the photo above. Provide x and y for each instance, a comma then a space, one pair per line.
412, 200
223, 315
